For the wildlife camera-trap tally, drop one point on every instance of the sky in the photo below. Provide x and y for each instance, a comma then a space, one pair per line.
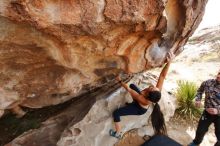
212, 14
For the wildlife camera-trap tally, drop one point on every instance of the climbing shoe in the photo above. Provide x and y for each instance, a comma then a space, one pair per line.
114, 134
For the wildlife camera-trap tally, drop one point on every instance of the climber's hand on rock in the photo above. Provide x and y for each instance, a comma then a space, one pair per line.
170, 56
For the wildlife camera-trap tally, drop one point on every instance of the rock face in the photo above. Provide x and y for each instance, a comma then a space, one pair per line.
51, 51
92, 130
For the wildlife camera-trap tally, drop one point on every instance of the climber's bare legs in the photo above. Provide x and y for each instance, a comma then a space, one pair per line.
116, 133
117, 127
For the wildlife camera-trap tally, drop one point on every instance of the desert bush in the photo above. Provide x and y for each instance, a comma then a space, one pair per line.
185, 94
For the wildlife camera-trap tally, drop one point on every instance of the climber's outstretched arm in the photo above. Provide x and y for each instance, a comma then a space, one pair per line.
170, 57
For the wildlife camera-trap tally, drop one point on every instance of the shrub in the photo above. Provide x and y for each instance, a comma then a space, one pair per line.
185, 94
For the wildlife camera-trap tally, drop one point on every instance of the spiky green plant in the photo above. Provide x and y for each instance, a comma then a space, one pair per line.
185, 93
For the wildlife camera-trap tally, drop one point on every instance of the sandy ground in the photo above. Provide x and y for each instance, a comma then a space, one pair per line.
183, 131
131, 138
180, 130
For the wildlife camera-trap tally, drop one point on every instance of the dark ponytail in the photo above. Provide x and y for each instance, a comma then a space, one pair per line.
157, 120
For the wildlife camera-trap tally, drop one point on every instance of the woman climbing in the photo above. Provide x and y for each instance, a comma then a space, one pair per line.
141, 101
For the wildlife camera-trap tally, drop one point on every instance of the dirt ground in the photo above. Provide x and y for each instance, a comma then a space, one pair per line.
131, 138
178, 129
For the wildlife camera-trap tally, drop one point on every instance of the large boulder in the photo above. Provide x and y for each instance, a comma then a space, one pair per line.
52, 51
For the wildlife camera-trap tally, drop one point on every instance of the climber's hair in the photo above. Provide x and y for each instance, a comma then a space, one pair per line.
154, 96
158, 121
157, 118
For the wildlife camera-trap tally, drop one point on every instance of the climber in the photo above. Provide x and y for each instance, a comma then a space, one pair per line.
141, 101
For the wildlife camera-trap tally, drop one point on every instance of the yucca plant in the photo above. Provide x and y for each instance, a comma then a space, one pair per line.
185, 94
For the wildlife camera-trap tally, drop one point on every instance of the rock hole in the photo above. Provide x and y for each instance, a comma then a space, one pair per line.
76, 131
